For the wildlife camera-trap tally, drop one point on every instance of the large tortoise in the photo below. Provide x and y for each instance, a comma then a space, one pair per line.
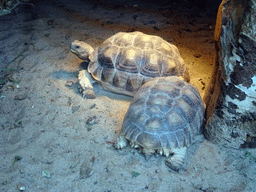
125, 61
164, 116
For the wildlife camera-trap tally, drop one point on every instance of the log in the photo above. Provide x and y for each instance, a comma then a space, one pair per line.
231, 95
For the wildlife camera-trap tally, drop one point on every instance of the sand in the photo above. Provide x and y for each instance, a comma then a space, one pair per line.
51, 139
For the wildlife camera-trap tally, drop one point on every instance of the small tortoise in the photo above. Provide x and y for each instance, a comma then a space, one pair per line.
164, 116
125, 61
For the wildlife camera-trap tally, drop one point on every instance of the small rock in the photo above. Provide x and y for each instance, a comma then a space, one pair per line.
92, 159
17, 158
10, 87
21, 186
89, 128
135, 174
85, 171
75, 108
92, 106
69, 83
46, 174
92, 120
197, 55
21, 96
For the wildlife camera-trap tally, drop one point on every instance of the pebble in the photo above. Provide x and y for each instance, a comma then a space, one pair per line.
92, 120
21, 186
197, 55
21, 96
86, 169
46, 174
21, 171
69, 83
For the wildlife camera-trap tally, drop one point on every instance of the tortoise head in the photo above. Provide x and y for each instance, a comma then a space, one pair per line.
81, 49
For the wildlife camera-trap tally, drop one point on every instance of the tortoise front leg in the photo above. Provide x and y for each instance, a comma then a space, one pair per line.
121, 142
85, 82
176, 161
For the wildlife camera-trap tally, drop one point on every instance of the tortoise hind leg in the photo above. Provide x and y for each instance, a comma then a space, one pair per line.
176, 161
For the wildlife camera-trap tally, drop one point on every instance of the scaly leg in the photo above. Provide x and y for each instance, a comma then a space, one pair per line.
176, 161
121, 142
85, 82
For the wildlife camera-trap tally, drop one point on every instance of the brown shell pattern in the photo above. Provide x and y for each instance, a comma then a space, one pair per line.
128, 60
165, 113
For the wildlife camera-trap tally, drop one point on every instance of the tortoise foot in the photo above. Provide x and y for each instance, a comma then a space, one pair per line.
85, 85
176, 161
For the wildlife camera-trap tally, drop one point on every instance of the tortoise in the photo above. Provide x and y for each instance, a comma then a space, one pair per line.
125, 61
164, 116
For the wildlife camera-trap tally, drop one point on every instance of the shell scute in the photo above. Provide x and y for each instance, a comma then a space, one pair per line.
122, 39
150, 65
149, 141
107, 75
134, 134
128, 59
106, 56
143, 42
172, 140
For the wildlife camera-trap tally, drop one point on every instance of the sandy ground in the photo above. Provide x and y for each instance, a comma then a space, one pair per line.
51, 139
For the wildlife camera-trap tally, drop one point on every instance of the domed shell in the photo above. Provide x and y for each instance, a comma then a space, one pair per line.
125, 61
164, 113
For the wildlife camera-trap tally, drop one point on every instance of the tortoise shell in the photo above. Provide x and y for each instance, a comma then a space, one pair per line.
126, 61
165, 113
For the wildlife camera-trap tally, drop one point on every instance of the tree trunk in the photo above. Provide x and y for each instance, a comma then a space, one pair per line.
231, 95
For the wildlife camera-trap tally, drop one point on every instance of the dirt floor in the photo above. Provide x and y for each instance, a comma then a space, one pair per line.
51, 139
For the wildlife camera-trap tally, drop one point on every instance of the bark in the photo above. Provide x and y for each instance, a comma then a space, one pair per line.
231, 95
